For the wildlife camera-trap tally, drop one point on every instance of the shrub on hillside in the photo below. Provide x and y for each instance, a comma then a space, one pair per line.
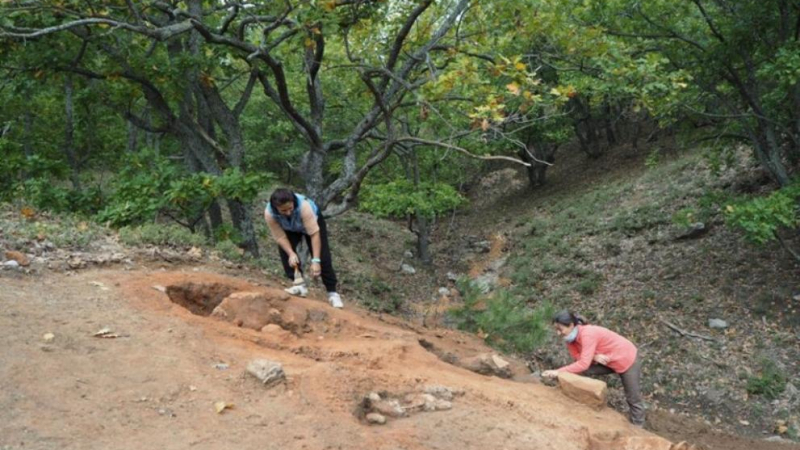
502, 320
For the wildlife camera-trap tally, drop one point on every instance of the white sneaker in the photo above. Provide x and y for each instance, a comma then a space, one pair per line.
335, 300
299, 290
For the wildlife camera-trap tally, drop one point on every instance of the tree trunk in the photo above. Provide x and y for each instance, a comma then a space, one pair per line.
69, 135
423, 233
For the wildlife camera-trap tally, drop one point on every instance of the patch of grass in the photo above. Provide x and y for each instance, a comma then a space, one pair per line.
64, 230
157, 234
588, 286
770, 381
385, 304
504, 321
229, 251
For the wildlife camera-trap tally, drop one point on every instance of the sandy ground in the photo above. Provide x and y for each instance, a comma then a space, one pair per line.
156, 384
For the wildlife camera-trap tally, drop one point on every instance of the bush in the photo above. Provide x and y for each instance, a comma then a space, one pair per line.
760, 218
770, 382
155, 234
503, 321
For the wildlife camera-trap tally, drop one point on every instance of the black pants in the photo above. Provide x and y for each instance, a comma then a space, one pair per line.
328, 275
631, 382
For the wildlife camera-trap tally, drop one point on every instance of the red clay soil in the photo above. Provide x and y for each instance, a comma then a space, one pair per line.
155, 385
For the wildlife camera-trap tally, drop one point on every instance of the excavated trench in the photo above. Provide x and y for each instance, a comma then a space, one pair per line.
199, 298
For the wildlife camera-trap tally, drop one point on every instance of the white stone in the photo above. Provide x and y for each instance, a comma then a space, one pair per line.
405, 268
717, 323
268, 372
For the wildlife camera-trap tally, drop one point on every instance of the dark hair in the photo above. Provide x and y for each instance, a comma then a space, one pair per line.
282, 196
567, 318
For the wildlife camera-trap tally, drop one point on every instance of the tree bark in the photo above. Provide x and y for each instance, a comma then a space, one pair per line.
69, 134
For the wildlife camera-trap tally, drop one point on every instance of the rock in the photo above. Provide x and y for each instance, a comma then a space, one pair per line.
437, 404
444, 292
483, 246
487, 364
582, 389
452, 277
268, 372
405, 268
374, 397
255, 310
195, 253
390, 408
442, 392
408, 254
695, 230
778, 439
49, 337
19, 257
11, 264
717, 323
375, 418
501, 363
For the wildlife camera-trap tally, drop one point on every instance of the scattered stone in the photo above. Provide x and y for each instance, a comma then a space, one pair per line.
49, 337
452, 277
268, 372
221, 366
389, 408
483, 246
487, 364
19, 257
443, 291
195, 253
374, 397
717, 323
375, 418
582, 389
408, 254
443, 392
160, 288
12, 264
695, 230
406, 269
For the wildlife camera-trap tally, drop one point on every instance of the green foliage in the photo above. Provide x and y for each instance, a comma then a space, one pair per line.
402, 198
161, 235
150, 185
761, 217
229, 250
770, 381
504, 321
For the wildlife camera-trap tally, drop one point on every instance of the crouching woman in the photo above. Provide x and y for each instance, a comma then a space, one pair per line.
600, 351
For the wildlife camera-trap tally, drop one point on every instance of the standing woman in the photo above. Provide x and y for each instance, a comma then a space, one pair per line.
291, 217
600, 351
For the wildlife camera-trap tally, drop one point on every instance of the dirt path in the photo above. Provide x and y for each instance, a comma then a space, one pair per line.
156, 384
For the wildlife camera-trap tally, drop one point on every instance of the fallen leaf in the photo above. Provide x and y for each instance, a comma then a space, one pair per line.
222, 406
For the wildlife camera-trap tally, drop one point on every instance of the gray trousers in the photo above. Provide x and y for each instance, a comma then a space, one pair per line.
631, 381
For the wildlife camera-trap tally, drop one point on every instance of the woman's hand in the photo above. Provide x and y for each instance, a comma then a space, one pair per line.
550, 373
601, 359
294, 260
316, 269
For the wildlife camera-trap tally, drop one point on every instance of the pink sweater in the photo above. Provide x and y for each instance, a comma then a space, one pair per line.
593, 340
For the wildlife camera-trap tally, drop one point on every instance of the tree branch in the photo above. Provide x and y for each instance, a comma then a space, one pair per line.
462, 150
